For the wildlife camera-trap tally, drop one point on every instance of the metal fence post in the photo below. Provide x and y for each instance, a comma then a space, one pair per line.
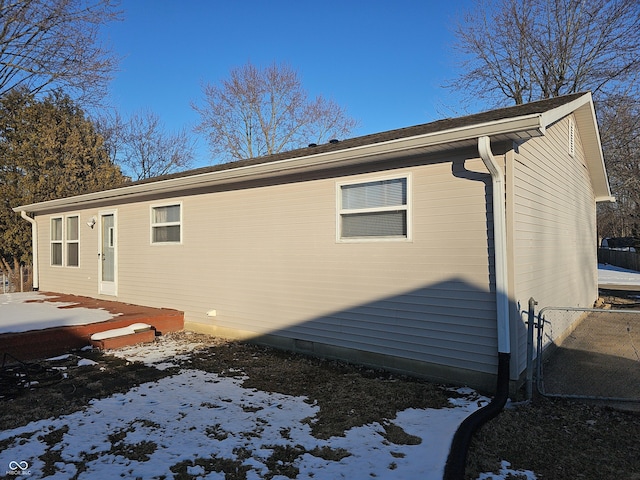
530, 327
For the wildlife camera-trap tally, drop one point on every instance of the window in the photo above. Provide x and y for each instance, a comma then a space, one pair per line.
72, 241
65, 241
166, 224
56, 241
374, 210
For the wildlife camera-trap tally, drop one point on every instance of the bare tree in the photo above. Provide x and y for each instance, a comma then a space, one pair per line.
524, 50
143, 147
620, 133
51, 44
259, 112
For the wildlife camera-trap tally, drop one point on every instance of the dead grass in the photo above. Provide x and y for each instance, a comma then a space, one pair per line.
556, 439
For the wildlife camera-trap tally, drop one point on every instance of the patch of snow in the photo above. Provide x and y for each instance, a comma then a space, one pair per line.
161, 354
59, 357
84, 362
120, 332
507, 472
18, 315
197, 414
612, 275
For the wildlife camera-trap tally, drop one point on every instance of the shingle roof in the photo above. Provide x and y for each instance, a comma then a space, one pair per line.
538, 107
503, 124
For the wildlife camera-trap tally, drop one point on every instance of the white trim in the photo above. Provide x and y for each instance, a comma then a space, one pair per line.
514, 128
527, 125
64, 241
153, 225
369, 179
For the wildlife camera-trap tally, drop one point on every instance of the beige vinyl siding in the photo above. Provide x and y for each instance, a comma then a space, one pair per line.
62, 279
267, 260
554, 230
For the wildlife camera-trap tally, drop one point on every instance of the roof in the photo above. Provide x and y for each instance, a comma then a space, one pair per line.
511, 123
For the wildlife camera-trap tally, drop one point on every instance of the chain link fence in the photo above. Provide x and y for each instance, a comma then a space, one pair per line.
599, 360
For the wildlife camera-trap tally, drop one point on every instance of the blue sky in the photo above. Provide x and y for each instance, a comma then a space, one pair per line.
385, 62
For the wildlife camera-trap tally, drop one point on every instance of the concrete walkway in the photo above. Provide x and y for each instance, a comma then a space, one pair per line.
601, 358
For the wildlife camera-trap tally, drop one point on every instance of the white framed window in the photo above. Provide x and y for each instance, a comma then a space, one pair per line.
56, 241
166, 223
65, 241
376, 209
72, 241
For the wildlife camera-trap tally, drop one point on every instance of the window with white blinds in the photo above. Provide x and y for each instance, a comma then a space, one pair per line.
166, 224
374, 210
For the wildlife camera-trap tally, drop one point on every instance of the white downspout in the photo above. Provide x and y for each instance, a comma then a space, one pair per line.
455, 467
500, 243
34, 246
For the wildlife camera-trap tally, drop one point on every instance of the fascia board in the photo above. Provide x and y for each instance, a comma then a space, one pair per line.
583, 110
551, 116
587, 124
531, 124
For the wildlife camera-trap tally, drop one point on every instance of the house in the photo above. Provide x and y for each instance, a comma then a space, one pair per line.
415, 249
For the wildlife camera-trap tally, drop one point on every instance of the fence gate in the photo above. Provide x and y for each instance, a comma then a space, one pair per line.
599, 360
20, 281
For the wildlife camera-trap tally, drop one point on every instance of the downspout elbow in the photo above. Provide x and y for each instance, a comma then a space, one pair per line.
34, 246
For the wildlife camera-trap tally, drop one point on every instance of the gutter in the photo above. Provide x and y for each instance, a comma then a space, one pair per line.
34, 247
457, 459
520, 127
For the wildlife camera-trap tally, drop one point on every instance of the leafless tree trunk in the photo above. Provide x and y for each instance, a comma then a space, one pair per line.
620, 134
50, 44
259, 112
143, 147
524, 50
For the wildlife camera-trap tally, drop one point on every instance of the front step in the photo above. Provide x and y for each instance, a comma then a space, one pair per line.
123, 337
54, 341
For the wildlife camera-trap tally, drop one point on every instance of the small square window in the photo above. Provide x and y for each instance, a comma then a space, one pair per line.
166, 224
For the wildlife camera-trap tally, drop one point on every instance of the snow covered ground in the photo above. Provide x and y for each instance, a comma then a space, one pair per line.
194, 417
197, 419
611, 275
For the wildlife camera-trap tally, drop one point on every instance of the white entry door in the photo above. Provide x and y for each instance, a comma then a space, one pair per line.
107, 255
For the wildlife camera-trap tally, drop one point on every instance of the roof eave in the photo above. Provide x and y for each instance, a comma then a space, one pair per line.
585, 116
526, 126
